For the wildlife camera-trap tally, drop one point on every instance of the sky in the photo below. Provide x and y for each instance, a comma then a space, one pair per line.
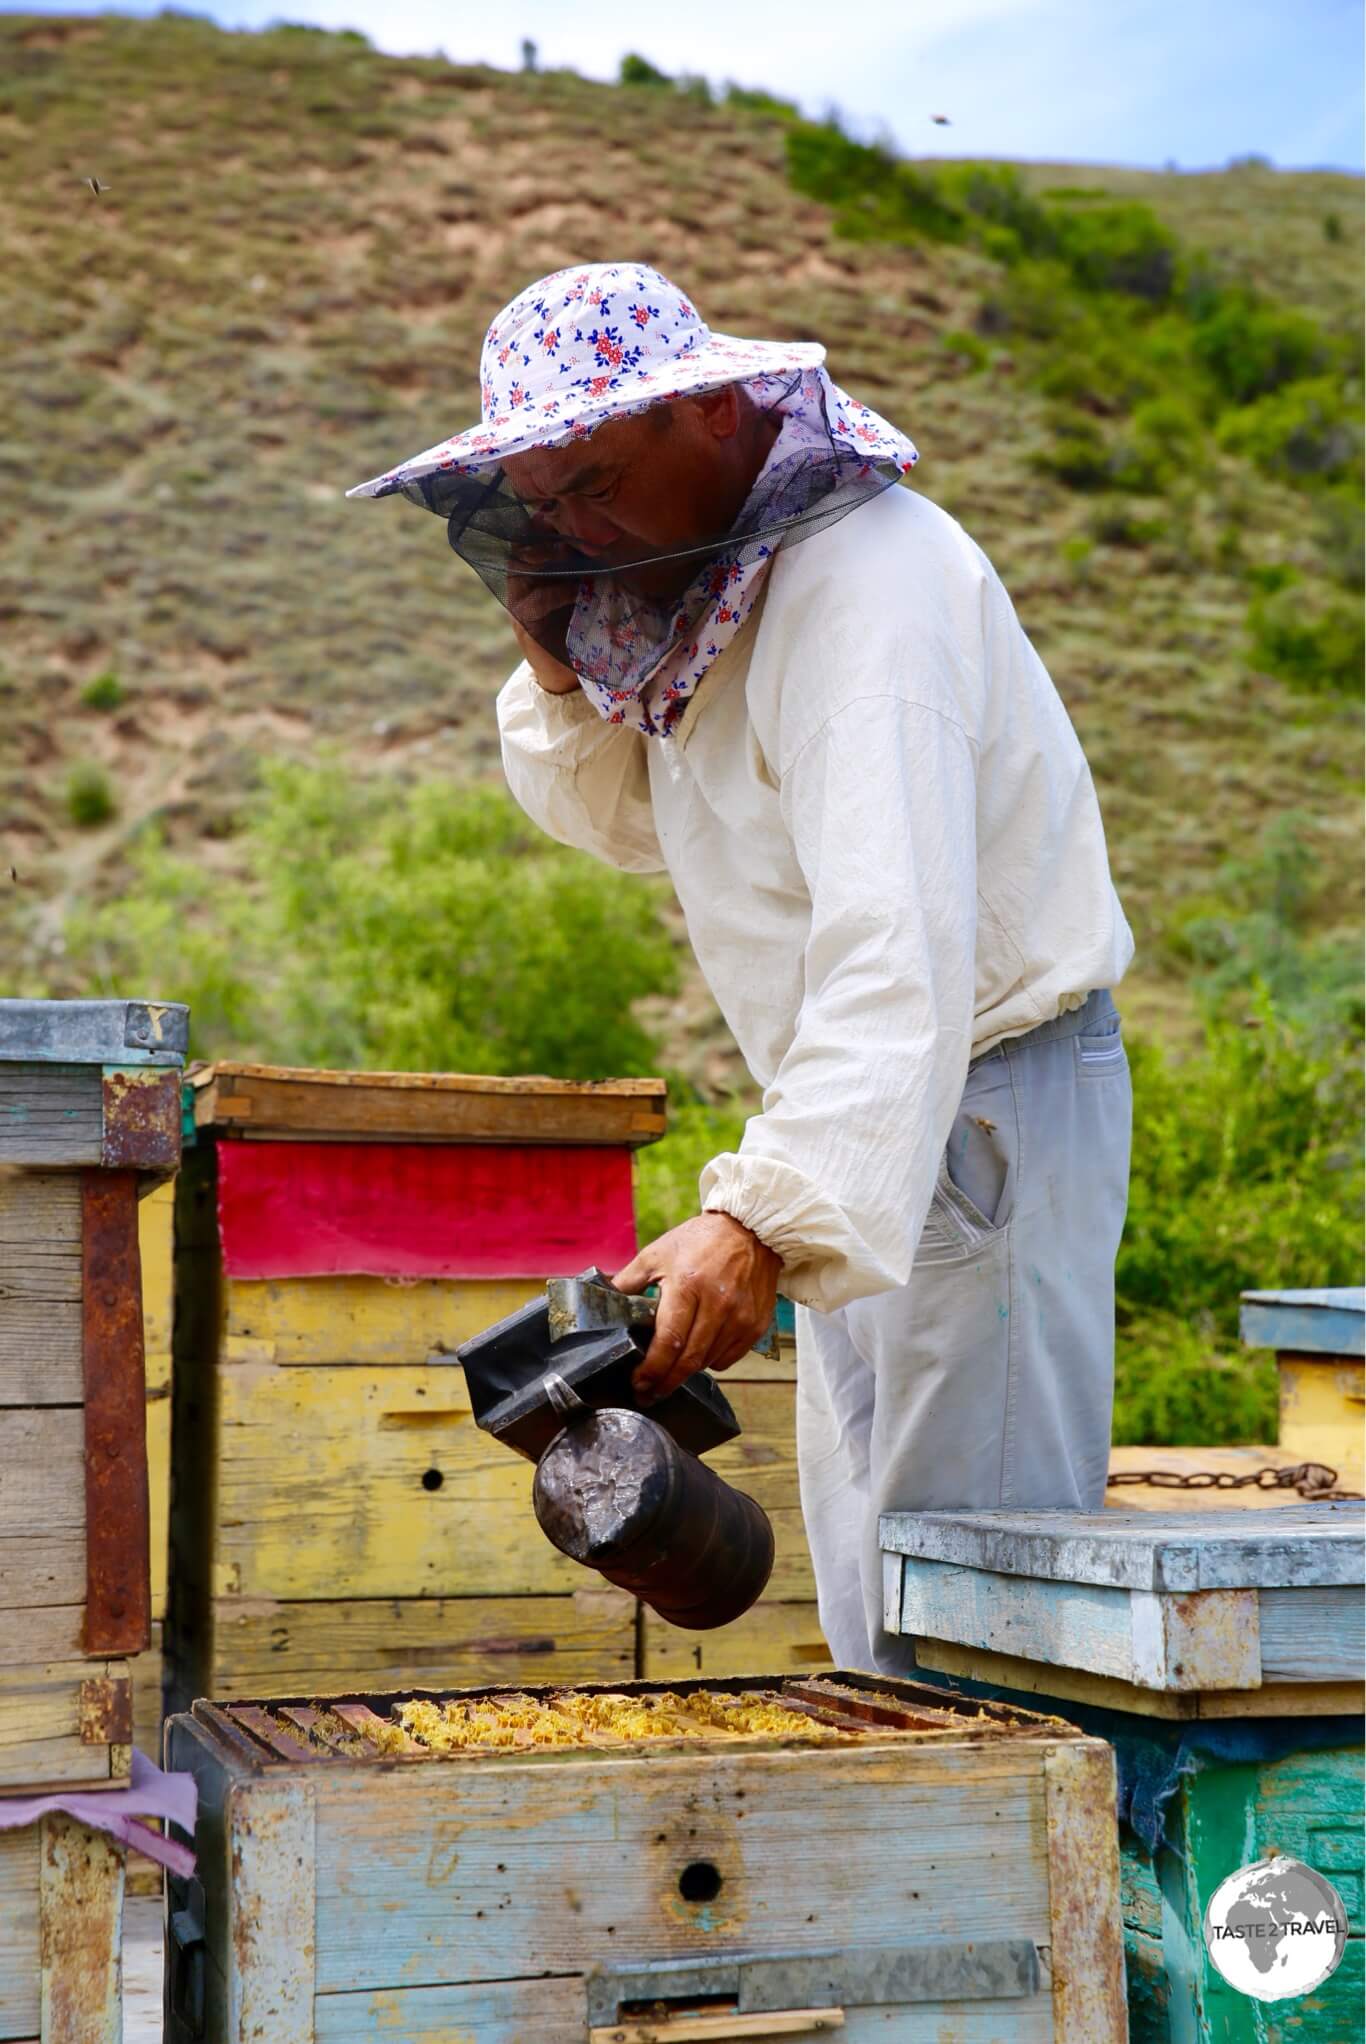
1150, 82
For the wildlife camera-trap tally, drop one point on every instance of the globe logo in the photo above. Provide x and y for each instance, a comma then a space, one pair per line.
1275, 1929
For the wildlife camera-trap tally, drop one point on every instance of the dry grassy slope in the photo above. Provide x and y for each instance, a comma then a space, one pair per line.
283, 289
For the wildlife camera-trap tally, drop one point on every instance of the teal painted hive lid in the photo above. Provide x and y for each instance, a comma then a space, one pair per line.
1290, 1547
94, 1032
1330, 1321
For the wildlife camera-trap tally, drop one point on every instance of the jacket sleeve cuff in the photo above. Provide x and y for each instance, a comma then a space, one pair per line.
825, 1262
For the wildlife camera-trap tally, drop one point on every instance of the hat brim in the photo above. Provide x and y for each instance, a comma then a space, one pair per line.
554, 422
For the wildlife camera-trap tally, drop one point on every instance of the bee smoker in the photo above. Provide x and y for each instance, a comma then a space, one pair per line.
619, 1490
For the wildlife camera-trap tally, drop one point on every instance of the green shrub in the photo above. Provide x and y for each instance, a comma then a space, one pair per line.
1077, 553
874, 194
1175, 1386
1118, 521
105, 692
1253, 931
1246, 1172
1121, 247
1079, 453
970, 347
425, 927
1311, 637
1162, 443
1249, 348
636, 70
89, 797
1306, 432
993, 194
754, 100
667, 1171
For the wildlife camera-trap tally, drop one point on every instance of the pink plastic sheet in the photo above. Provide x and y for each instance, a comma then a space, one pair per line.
119, 1812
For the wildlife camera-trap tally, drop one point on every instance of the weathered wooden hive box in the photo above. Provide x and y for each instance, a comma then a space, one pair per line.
873, 1860
61, 1918
1320, 1342
1223, 1653
338, 1518
89, 1119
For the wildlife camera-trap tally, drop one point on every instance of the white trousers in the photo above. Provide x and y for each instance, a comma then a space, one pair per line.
988, 1379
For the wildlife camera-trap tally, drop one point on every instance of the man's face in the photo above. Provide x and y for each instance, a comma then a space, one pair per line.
658, 482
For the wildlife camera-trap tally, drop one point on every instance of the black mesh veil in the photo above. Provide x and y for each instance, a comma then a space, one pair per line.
614, 617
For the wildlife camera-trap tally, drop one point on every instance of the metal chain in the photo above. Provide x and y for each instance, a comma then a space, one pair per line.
1313, 1480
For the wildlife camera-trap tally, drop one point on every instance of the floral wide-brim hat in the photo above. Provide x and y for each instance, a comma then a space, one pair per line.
588, 344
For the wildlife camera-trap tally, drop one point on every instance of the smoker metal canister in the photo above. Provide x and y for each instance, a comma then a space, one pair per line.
617, 1493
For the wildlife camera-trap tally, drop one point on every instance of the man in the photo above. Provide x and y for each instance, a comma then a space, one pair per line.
755, 663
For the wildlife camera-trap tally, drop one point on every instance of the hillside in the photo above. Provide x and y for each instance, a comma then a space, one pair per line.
281, 288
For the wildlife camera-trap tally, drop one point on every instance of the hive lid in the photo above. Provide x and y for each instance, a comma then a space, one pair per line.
1296, 1547
94, 1032
285, 1102
1329, 1321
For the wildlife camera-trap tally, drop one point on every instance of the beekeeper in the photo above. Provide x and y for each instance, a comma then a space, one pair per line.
756, 663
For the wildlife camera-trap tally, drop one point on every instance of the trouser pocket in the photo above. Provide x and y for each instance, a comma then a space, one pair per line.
1101, 1052
972, 1193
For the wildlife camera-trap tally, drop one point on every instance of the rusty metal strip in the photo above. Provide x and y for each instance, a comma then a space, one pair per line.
105, 1707
141, 1119
118, 1592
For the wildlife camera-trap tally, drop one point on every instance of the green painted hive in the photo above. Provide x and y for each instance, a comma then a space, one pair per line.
1221, 1655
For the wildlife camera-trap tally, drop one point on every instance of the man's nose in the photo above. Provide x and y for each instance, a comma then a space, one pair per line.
586, 524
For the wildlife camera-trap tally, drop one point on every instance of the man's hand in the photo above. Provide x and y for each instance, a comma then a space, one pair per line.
544, 606
550, 673
717, 1288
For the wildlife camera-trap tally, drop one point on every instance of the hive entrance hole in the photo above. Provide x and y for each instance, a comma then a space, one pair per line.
700, 1881
432, 1479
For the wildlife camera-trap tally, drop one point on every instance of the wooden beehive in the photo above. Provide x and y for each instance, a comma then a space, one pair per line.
1320, 1341
1225, 1650
338, 1518
905, 1867
61, 1917
89, 1120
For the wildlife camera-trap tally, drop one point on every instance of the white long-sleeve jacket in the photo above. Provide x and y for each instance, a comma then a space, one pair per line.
887, 845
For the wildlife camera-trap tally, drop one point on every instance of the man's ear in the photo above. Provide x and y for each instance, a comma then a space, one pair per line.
720, 410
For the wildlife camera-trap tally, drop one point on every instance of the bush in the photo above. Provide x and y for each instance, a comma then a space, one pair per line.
667, 1171
1312, 638
1163, 442
1174, 1387
105, 692
753, 100
1246, 1173
1250, 348
637, 70
425, 927
1304, 432
1116, 521
1079, 453
1123, 248
1251, 933
874, 194
89, 797
973, 351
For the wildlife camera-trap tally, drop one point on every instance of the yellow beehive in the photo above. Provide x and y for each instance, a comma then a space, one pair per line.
339, 1520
